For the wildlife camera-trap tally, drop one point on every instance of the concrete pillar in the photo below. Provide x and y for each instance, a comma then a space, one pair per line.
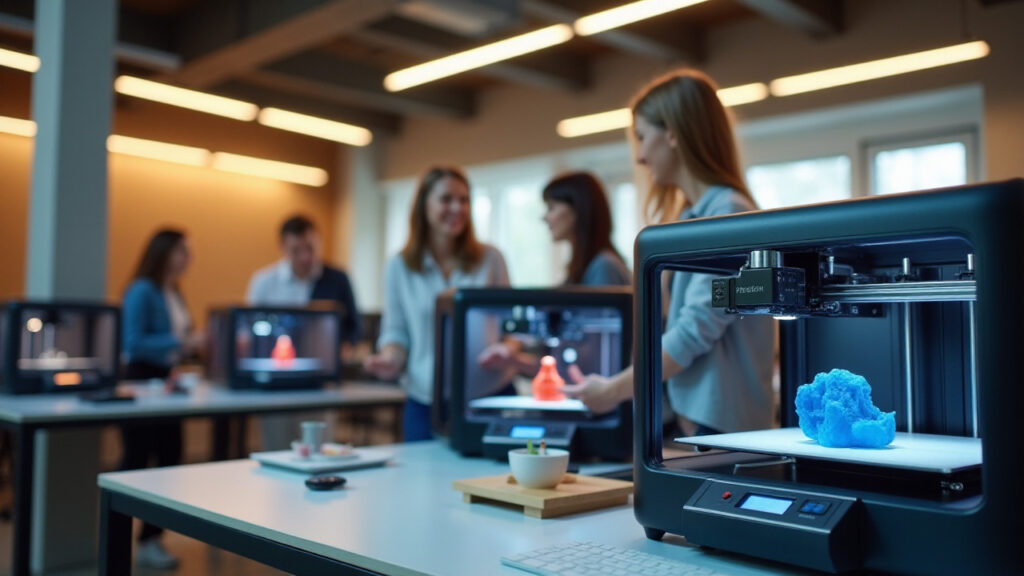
67, 244
359, 223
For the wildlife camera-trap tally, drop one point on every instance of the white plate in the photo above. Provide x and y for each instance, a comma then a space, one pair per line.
361, 458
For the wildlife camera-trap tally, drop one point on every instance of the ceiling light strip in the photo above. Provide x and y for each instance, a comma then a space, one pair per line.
154, 150
623, 118
250, 166
19, 60
17, 126
184, 98
478, 57
627, 14
874, 69
316, 127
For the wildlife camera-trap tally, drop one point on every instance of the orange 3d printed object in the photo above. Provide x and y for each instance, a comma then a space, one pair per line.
284, 351
547, 384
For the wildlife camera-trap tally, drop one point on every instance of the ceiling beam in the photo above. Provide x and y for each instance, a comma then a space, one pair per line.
220, 41
680, 47
556, 71
816, 18
264, 96
323, 76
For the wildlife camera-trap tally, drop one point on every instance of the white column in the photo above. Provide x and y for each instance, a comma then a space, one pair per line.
359, 224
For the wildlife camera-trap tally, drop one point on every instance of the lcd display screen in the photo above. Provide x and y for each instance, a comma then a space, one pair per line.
766, 504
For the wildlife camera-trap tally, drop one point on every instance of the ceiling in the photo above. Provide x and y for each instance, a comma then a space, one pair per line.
328, 57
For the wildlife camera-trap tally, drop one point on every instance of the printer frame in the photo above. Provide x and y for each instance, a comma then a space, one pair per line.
971, 381
11, 379
223, 360
596, 440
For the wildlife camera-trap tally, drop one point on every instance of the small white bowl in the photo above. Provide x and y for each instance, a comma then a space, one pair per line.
538, 470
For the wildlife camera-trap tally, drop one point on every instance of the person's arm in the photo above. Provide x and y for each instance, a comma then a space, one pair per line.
602, 394
135, 311
393, 345
353, 326
497, 276
699, 326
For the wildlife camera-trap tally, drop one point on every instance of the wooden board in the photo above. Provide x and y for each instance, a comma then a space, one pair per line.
574, 494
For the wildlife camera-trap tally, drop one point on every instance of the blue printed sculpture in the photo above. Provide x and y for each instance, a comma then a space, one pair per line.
836, 411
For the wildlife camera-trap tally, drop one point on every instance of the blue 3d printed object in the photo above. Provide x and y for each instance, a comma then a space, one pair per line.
836, 411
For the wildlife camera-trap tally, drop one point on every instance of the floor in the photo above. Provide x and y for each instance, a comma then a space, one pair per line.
366, 427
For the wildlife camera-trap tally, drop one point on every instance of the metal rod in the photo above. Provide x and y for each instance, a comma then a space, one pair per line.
933, 291
971, 322
974, 368
908, 366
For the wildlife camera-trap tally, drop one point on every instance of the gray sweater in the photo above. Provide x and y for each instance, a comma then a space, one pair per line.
727, 359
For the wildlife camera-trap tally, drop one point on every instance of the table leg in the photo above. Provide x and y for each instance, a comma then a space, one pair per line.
24, 465
115, 552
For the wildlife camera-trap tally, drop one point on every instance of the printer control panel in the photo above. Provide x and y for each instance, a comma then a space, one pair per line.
761, 503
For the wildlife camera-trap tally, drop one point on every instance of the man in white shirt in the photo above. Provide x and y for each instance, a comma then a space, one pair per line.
298, 278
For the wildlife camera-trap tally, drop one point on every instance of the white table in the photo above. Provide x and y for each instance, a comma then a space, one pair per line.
402, 519
25, 415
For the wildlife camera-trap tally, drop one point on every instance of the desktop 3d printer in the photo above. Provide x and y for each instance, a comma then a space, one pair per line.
915, 292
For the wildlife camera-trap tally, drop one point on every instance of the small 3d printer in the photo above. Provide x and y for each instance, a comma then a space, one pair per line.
58, 346
490, 411
915, 292
275, 347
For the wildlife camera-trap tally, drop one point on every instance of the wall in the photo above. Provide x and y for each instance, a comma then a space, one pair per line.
232, 219
757, 50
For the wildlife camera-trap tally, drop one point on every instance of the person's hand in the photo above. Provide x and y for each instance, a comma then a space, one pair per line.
384, 366
599, 393
495, 357
195, 343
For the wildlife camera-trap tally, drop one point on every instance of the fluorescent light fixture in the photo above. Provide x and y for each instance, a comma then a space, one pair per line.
17, 126
627, 14
19, 60
184, 98
316, 127
594, 123
307, 175
879, 68
157, 150
745, 94
477, 57
623, 118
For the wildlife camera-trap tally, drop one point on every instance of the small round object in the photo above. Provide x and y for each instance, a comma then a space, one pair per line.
325, 482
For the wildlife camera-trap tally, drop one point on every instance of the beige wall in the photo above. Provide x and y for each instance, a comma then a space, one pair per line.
232, 220
516, 121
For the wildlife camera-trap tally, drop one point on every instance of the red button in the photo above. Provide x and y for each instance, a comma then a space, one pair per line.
726, 495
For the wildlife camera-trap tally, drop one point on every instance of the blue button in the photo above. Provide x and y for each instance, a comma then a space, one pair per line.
808, 508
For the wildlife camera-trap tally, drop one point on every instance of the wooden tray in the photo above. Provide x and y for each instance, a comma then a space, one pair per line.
574, 494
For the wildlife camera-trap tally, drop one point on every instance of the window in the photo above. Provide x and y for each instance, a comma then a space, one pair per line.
800, 182
921, 164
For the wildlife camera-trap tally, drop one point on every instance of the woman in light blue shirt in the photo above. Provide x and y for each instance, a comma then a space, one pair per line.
718, 366
578, 213
441, 252
156, 333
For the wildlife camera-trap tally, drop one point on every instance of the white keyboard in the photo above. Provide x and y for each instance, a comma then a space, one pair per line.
590, 559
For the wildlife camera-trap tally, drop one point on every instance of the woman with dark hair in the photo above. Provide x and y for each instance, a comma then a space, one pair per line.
717, 366
156, 333
441, 252
577, 212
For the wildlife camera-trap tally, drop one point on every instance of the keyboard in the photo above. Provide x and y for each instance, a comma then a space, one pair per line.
590, 559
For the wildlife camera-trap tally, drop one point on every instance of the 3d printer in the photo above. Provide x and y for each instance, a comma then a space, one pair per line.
275, 347
487, 411
916, 292
58, 346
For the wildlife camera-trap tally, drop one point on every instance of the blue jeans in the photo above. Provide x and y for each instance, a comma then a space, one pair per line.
416, 421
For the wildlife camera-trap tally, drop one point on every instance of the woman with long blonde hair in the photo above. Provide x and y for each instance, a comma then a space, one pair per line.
441, 252
718, 368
